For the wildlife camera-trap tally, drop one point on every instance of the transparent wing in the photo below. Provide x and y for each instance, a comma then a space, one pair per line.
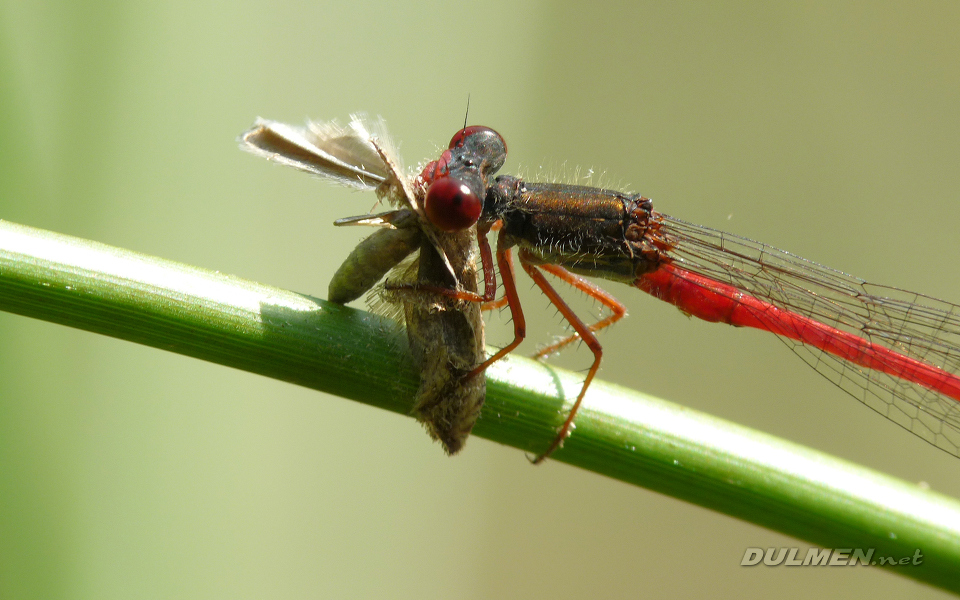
910, 324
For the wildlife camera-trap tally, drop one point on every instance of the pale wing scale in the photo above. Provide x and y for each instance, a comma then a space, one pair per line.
345, 155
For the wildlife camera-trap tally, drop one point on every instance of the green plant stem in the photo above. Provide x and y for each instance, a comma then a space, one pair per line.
620, 433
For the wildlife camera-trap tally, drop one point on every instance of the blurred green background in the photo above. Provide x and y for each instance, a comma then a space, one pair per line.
828, 129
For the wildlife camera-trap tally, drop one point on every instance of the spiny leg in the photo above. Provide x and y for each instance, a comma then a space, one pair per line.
582, 330
617, 309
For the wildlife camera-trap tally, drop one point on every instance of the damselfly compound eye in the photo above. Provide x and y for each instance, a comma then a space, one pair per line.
451, 205
477, 134
483, 144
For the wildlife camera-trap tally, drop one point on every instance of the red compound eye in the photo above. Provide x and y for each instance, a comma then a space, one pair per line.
479, 132
451, 205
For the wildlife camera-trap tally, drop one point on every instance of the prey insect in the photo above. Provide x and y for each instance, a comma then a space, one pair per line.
445, 335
